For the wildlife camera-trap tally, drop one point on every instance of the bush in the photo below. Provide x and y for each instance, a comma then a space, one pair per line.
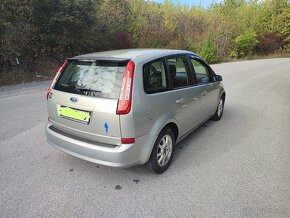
122, 40
269, 43
208, 52
245, 43
13, 75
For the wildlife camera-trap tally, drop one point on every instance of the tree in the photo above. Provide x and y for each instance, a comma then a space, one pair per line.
16, 31
110, 31
38, 30
63, 25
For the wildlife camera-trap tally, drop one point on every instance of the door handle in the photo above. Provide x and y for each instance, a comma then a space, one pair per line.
180, 101
204, 93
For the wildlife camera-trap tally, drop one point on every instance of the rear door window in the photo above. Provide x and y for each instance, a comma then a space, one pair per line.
154, 77
96, 79
179, 71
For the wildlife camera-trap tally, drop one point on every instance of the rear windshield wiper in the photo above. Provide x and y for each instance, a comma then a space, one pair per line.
88, 90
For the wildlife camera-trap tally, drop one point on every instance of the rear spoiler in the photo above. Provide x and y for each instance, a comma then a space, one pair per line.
101, 59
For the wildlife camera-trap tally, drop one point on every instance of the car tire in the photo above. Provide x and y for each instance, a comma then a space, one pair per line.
162, 152
220, 109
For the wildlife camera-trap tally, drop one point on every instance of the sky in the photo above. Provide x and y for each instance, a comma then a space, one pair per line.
203, 3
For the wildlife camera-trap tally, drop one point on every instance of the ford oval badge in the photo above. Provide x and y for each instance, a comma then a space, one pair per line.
73, 99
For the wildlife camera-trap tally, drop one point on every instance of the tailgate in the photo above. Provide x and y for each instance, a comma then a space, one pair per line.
84, 100
100, 122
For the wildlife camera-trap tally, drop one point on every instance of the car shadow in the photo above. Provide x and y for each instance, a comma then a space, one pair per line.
213, 139
207, 142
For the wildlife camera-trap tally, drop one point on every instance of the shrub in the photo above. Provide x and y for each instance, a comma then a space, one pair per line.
207, 51
269, 43
122, 40
245, 43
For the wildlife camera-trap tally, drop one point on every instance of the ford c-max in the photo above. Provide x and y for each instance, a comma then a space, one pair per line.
127, 107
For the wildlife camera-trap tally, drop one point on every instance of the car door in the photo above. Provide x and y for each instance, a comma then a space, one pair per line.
183, 96
208, 89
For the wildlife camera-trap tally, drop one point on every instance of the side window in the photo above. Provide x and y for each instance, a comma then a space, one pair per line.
179, 71
201, 72
154, 77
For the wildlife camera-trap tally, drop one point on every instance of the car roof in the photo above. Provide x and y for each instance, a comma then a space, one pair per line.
128, 54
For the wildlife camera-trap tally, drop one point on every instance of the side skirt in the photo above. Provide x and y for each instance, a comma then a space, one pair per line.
194, 128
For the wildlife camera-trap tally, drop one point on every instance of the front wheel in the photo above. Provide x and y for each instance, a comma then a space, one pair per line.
219, 111
162, 152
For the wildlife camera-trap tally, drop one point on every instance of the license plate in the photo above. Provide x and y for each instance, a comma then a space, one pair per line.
74, 114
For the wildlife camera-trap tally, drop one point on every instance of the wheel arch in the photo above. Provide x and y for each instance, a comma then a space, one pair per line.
223, 95
174, 128
157, 129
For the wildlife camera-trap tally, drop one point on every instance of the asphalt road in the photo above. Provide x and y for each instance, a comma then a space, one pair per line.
237, 167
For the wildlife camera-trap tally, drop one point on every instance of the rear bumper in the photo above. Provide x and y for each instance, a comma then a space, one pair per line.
124, 155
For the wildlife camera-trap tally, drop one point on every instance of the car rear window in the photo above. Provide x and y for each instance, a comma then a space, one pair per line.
154, 77
96, 79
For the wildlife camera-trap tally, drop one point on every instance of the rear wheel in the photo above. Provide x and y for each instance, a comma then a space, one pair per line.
162, 152
220, 109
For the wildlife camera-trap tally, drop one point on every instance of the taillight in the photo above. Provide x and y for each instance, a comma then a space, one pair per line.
125, 99
60, 70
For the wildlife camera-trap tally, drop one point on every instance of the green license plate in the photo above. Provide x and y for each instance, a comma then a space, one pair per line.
74, 114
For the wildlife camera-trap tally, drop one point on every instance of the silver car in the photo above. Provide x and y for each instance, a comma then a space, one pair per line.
127, 107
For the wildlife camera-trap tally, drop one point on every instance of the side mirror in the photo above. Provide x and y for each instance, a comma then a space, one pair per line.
218, 78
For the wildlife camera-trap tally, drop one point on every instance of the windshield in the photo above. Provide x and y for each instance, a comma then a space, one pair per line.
96, 79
